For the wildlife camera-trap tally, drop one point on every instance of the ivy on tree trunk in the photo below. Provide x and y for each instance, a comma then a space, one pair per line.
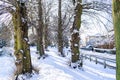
22, 50
75, 36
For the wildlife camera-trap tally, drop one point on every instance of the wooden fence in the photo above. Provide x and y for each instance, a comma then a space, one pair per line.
106, 62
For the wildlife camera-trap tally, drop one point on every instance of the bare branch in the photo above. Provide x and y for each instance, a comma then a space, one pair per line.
98, 6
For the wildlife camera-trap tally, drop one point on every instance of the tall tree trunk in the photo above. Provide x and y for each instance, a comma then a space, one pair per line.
18, 42
40, 46
26, 56
116, 20
60, 31
47, 41
22, 50
75, 36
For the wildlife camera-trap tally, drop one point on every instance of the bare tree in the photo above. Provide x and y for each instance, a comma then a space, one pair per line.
47, 6
5, 34
60, 31
39, 29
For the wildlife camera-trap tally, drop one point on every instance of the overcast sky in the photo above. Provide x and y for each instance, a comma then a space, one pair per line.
94, 26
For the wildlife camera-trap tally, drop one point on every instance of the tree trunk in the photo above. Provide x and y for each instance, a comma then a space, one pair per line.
22, 50
40, 46
116, 20
75, 36
26, 56
47, 41
17, 43
60, 31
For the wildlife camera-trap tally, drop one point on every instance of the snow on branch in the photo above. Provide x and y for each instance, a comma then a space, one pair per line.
98, 6
6, 8
75, 31
26, 39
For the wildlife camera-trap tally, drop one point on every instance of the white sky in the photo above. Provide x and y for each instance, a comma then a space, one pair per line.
93, 28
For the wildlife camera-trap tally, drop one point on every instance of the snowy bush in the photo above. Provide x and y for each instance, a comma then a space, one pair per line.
5, 51
2, 43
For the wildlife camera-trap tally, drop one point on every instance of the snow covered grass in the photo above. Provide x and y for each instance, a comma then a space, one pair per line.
54, 67
7, 66
110, 59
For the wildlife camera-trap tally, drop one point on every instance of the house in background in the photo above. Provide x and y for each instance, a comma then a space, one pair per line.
101, 41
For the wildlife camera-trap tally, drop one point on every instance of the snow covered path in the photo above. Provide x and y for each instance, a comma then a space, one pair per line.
7, 65
55, 67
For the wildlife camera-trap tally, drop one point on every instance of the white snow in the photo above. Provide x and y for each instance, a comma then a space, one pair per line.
76, 45
75, 31
54, 67
21, 51
7, 66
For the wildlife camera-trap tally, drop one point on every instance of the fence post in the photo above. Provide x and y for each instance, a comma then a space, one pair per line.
90, 58
104, 63
96, 60
85, 56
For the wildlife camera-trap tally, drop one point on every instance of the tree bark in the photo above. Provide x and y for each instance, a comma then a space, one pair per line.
116, 20
26, 56
17, 43
40, 46
75, 36
46, 39
22, 50
60, 31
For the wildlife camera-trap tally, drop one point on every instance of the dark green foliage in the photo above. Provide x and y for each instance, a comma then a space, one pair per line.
2, 43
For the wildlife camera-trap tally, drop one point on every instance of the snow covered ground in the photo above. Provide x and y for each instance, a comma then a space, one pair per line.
7, 65
101, 57
54, 67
